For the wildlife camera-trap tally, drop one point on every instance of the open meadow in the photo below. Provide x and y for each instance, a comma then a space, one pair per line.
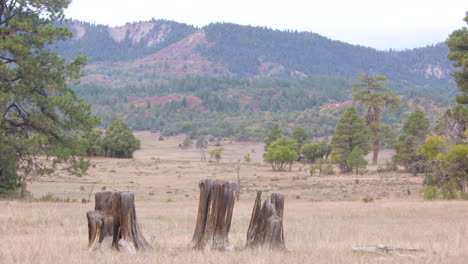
324, 215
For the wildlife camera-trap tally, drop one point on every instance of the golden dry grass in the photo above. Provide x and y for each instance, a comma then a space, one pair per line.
324, 216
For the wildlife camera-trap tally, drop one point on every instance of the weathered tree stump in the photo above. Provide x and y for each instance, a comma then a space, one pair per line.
114, 222
99, 230
266, 224
214, 214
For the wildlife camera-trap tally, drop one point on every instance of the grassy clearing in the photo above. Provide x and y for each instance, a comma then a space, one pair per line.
324, 216
318, 232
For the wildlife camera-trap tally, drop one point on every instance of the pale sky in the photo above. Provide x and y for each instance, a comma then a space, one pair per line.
396, 24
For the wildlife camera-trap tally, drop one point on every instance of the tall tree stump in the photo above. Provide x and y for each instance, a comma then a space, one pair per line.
114, 222
266, 224
214, 214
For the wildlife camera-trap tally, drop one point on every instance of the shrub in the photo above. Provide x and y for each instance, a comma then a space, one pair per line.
430, 192
449, 190
216, 153
463, 195
49, 197
328, 170
312, 170
119, 141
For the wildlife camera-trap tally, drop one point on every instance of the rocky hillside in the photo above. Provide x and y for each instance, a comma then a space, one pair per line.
162, 49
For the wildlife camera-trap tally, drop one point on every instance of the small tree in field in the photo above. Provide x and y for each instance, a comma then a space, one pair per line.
187, 142
371, 93
202, 145
319, 163
119, 141
281, 153
311, 152
275, 134
356, 160
300, 136
216, 153
351, 132
280, 157
415, 131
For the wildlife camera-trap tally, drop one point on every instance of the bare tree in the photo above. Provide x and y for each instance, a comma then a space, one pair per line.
202, 145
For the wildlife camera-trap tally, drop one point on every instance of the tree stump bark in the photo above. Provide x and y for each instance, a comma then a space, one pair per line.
114, 222
99, 230
214, 214
266, 224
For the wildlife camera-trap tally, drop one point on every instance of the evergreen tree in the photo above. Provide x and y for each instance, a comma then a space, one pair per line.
356, 160
119, 141
275, 134
300, 136
372, 94
417, 125
351, 132
93, 143
415, 129
458, 46
39, 113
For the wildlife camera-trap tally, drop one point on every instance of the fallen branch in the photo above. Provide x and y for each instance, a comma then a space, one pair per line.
382, 249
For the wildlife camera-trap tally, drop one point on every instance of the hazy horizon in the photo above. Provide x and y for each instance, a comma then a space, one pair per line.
397, 25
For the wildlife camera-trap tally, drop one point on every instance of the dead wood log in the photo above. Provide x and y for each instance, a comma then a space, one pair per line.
266, 224
114, 222
382, 249
215, 209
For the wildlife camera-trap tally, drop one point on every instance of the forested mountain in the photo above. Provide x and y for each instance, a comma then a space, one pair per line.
162, 49
228, 80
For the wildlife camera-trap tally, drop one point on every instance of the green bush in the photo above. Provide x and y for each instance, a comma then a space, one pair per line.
312, 170
119, 141
430, 192
449, 190
463, 195
328, 170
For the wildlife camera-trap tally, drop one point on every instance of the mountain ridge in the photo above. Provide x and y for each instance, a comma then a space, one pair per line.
162, 49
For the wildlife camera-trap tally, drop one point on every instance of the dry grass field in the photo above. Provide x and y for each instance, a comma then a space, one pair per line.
324, 216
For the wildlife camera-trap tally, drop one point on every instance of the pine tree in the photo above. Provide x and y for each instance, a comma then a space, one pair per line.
372, 93
417, 125
351, 132
39, 113
275, 134
458, 46
356, 160
415, 130
300, 136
